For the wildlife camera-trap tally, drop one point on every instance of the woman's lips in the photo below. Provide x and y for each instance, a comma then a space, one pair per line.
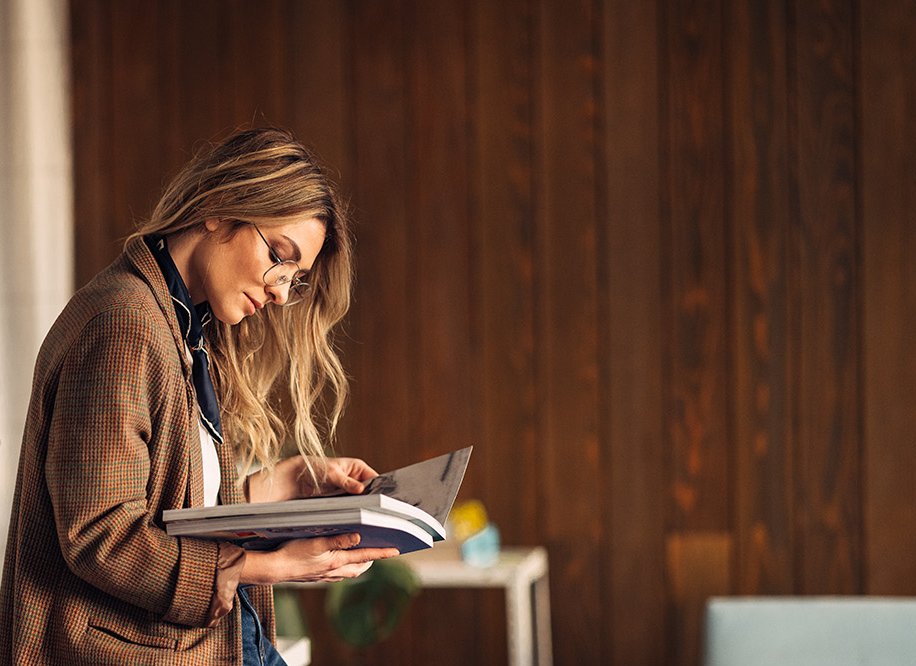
254, 303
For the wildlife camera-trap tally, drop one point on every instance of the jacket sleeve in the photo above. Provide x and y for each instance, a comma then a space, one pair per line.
115, 383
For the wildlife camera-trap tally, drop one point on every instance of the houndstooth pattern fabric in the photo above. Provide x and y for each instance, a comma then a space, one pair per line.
111, 441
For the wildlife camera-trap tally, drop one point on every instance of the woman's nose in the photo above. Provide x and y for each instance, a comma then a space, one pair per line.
279, 293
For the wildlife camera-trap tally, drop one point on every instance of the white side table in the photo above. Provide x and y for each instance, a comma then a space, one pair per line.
295, 651
523, 574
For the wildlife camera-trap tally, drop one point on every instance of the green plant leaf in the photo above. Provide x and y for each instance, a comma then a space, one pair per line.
367, 609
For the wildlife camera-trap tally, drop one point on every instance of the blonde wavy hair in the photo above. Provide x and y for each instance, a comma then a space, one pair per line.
281, 360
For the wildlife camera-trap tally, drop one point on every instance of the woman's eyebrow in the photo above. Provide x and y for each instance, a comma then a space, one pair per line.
297, 254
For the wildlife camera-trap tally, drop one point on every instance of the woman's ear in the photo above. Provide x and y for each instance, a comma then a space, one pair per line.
212, 224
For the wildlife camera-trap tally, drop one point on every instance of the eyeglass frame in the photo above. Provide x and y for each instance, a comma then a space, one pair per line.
296, 285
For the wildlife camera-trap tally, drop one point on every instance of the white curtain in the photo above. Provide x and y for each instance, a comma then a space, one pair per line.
36, 218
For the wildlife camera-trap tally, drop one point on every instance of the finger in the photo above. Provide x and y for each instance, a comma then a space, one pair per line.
348, 571
349, 483
361, 555
341, 542
362, 471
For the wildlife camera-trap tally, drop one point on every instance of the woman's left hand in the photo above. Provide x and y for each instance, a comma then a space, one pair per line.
291, 480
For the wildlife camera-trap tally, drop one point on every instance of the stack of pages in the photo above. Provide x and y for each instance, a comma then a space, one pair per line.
404, 509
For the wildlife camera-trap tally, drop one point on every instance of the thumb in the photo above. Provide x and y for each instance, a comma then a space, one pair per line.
344, 541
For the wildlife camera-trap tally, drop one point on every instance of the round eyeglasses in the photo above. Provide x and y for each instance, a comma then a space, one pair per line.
285, 272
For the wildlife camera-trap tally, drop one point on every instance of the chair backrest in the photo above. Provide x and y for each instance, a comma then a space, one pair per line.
810, 631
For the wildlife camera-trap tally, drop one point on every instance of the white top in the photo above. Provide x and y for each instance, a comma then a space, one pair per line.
210, 466
208, 457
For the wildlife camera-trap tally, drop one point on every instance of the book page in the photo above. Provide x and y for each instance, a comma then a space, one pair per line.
431, 485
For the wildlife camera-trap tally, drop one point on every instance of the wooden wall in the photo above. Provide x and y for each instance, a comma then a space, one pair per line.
657, 261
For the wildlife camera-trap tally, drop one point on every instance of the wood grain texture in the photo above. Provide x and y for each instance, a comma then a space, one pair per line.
697, 292
90, 37
257, 82
758, 199
381, 346
319, 68
567, 325
502, 275
697, 273
699, 566
136, 114
630, 347
439, 280
888, 181
828, 489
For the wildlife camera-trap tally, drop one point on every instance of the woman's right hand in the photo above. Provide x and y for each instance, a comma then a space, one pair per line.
326, 559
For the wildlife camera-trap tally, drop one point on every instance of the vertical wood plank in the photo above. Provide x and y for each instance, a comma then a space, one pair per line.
439, 212
567, 325
438, 279
888, 179
632, 395
828, 470
318, 48
380, 404
257, 43
503, 275
501, 219
759, 215
203, 96
90, 38
697, 286
171, 140
136, 182
697, 266
699, 566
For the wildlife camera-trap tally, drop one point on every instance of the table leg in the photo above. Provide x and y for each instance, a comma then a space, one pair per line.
520, 636
541, 592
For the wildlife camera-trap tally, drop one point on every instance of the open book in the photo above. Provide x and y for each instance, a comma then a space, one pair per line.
404, 509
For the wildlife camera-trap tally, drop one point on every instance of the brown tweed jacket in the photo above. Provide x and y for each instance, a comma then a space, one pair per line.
111, 441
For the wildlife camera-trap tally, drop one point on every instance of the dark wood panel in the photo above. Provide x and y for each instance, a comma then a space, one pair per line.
697, 275
257, 77
202, 96
136, 118
381, 402
696, 288
888, 144
756, 90
442, 411
571, 455
90, 34
319, 54
502, 278
630, 348
828, 467
439, 185
501, 219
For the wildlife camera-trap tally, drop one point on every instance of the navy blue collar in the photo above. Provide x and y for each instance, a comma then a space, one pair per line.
191, 319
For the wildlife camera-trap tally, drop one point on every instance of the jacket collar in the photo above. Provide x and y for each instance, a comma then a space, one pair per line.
140, 257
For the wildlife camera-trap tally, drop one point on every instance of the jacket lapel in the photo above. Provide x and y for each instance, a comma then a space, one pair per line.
145, 265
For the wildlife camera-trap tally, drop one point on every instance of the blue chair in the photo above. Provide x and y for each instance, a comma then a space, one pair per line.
810, 631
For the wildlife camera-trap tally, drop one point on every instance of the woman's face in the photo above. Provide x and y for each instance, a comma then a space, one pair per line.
230, 274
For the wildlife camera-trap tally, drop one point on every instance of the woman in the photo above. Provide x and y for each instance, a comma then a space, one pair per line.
160, 386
